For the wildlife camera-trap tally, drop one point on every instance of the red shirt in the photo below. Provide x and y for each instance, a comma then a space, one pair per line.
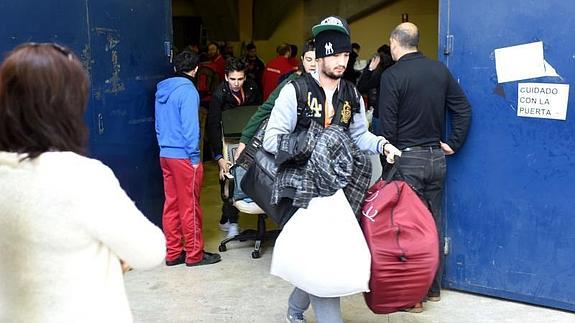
294, 61
218, 64
272, 73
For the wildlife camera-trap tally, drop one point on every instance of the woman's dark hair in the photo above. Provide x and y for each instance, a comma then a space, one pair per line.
385, 55
235, 64
293, 50
308, 46
186, 61
43, 96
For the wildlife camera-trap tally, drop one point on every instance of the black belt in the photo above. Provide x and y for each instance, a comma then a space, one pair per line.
421, 148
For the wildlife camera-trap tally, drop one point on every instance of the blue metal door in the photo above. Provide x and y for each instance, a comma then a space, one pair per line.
124, 44
129, 42
509, 199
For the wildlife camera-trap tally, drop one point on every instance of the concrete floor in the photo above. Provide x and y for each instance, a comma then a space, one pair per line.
240, 289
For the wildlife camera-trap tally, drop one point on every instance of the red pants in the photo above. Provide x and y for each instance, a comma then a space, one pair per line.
182, 217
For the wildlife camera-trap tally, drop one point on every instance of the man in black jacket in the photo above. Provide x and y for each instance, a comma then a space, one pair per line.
415, 95
236, 91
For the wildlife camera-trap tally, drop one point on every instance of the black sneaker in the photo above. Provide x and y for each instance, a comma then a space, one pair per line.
178, 261
433, 297
209, 258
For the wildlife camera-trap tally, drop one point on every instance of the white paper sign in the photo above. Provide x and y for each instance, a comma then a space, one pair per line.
542, 100
522, 62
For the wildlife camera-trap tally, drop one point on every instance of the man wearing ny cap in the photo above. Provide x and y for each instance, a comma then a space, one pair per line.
324, 89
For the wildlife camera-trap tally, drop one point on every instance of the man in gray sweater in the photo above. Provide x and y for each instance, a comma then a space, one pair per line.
330, 101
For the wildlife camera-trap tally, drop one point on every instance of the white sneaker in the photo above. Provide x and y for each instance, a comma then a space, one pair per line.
295, 319
225, 227
233, 230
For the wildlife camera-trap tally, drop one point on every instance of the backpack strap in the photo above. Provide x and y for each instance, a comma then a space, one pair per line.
301, 90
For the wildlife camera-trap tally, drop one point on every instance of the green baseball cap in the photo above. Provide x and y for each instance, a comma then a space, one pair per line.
331, 23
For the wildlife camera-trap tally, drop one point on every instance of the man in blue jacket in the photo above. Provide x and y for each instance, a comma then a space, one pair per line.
178, 133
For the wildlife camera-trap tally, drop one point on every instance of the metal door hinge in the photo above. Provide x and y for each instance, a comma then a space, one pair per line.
448, 45
168, 51
100, 124
446, 245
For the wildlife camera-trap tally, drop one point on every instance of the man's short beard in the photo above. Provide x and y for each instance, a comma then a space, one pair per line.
331, 75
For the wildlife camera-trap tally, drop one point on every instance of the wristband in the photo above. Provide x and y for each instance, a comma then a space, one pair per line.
385, 142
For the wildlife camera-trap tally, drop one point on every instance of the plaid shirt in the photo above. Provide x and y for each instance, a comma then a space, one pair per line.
336, 162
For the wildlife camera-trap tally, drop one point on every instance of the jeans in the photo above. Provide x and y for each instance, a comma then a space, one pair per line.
376, 126
326, 309
229, 211
425, 171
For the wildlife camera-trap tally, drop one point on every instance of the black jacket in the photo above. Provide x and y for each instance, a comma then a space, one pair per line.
368, 82
414, 97
350, 73
222, 100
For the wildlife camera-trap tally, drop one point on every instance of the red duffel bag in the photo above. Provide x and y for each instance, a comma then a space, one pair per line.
402, 238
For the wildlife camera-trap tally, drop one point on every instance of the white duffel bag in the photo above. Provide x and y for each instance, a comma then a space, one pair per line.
322, 250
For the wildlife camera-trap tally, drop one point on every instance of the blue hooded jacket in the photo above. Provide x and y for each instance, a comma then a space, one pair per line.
177, 119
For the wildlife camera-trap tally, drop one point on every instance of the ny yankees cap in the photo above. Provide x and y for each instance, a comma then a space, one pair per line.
331, 42
331, 23
332, 36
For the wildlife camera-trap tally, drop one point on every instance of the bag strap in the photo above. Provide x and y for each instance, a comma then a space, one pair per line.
227, 186
394, 171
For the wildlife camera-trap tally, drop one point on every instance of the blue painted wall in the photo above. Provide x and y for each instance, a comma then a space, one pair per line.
510, 191
121, 43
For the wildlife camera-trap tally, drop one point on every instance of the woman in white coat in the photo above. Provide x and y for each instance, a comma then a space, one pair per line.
66, 225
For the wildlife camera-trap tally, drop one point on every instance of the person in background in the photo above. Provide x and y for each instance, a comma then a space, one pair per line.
368, 82
255, 66
67, 228
275, 68
415, 95
228, 50
350, 73
236, 91
216, 61
178, 132
193, 47
308, 65
293, 55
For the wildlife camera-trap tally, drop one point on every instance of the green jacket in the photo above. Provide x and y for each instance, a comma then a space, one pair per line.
263, 111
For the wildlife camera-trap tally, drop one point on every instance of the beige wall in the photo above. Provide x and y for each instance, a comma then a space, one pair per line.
245, 18
290, 30
182, 8
370, 32
373, 31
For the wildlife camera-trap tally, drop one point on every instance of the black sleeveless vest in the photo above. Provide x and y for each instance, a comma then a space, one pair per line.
311, 100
